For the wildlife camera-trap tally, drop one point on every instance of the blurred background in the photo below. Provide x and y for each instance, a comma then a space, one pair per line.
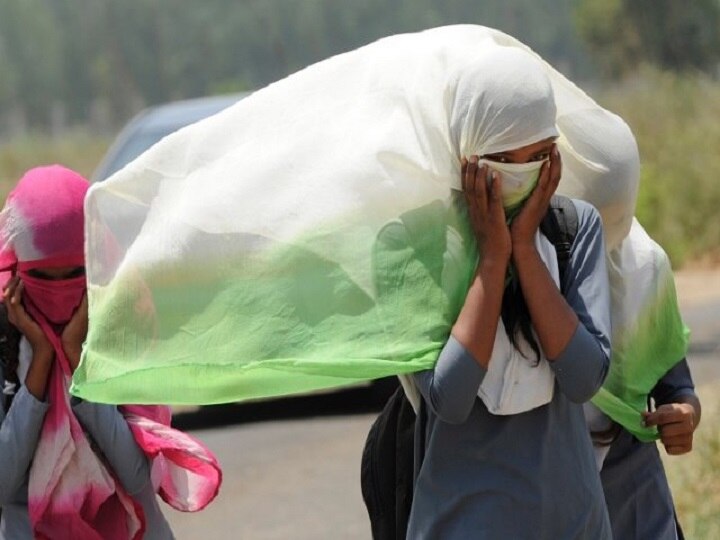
73, 72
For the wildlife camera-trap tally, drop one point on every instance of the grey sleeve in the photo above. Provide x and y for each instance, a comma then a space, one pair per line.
450, 389
108, 428
582, 367
19, 434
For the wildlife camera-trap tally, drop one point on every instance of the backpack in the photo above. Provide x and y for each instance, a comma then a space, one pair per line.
390, 457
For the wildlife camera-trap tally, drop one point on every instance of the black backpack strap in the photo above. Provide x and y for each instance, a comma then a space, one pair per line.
560, 226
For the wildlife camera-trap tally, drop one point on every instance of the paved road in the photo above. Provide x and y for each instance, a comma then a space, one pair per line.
285, 479
298, 478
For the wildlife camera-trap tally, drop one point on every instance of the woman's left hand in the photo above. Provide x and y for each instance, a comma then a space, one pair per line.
676, 423
74, 333
526, 223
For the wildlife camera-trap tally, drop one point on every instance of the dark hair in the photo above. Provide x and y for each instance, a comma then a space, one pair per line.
9, 352
516, 316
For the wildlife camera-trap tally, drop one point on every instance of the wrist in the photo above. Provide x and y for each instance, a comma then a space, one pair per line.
493, 264
523, 250
42, 351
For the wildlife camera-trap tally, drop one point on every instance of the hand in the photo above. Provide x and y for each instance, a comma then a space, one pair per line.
19, 317
43, 353
526, 224
676, 424
487, 215
74, 334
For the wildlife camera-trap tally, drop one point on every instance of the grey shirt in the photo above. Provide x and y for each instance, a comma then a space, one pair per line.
529, 475
636, 488
19, 432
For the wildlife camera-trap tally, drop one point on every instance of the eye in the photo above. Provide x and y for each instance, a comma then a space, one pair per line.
497, 159
78, 272
37, 274
540, 157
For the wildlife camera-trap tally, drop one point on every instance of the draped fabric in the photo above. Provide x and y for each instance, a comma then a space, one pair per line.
72, 493
256, 253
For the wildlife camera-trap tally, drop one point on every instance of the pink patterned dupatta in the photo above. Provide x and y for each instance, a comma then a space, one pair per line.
73, 494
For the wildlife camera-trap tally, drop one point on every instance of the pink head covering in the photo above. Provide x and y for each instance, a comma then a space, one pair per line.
42, 223
72, 495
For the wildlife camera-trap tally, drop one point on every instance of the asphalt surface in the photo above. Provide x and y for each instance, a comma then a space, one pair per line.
291, 467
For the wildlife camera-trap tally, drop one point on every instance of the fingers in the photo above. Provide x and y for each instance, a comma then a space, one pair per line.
548, 180
555, 169
675, 422
474, 186
10, 287
12, 296
671, 413
474, 183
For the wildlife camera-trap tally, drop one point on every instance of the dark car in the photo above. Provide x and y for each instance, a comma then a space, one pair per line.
154, 123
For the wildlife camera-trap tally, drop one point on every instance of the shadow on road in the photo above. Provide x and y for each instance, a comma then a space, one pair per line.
356, 400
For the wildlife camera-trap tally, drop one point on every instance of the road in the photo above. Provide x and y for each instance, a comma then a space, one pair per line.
291, 469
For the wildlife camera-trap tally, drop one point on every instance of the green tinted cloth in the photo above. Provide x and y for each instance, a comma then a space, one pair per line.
304, 325
649, 336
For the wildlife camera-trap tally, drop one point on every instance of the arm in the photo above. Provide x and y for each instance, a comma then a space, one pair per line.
678, 409
19, 434
582, 366
108, 428
574, 329
43, 352
451, 387
476, 324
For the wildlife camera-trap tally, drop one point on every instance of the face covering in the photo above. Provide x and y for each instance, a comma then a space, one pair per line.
517, 181
57, 300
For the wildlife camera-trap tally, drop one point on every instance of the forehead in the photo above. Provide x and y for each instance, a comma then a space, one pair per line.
530, 149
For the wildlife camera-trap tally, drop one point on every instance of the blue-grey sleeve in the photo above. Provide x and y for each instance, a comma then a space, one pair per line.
676, 383
108, 428
19, 433
582, 367
450, 389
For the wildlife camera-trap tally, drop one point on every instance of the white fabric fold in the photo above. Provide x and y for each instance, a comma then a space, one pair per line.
514, 383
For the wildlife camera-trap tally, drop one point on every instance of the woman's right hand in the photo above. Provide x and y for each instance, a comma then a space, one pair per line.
487, 215
19, 317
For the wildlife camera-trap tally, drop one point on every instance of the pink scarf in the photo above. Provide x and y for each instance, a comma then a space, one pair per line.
72, 493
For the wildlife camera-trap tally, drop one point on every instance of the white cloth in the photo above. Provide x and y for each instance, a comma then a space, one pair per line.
372, 134
514, 383
321, 161
597, 421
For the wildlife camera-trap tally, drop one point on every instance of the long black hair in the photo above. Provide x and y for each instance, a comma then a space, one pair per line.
9, 353
516, 316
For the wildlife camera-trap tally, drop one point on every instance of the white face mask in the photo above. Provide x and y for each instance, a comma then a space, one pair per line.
517, 179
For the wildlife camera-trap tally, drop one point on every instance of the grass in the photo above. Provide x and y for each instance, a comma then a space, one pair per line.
695, 477
675, 121
77, 149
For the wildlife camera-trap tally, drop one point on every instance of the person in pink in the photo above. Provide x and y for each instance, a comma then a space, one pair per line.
71, 469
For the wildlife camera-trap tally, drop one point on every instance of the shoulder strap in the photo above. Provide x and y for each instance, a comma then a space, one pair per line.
560, 226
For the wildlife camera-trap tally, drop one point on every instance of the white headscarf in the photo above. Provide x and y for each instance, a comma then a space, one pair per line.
293, 185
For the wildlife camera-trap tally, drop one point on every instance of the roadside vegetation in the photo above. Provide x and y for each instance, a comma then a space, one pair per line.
695, 477
674, 118
78, 149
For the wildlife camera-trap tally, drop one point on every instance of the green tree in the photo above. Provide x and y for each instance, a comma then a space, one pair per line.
679, 36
